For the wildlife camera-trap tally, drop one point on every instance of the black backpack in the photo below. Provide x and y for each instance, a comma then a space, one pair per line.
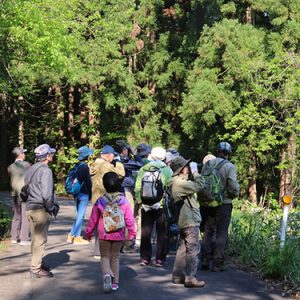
172, 211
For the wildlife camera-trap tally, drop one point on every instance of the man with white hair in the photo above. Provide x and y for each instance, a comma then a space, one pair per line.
16, 171
40, 205
151, 180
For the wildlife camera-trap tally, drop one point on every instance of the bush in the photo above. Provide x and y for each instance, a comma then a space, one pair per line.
5, 221
254, 240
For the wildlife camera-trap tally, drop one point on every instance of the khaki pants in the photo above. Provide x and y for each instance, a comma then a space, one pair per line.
186, 261
110, 258
39, 221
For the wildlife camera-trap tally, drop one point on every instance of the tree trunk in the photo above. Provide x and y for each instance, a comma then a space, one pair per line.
4, 146
249, 15
287, 159
252, 183
21, 122
71, 112
94, 138
60, 104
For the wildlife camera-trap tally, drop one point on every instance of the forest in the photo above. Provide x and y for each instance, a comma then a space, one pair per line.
183, 74
178, 73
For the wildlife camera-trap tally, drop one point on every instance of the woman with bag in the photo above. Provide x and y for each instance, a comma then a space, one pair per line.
111, 214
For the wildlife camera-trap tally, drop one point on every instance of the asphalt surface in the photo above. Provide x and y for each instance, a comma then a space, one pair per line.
77, 273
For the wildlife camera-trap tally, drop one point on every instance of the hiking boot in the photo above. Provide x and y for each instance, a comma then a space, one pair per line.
107, 286
128, 249
41, 273
194, 283
144, 262
178, 280
70, 238
218, 267
80, 241
114, 286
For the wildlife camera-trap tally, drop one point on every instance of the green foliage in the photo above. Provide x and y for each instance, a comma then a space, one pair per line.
178, 73
5, 221
254, 241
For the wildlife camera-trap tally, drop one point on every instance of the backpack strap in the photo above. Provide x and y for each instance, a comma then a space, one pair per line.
34, 174
218, 167
221, 164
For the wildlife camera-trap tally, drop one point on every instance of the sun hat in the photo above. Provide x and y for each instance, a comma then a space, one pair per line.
157, 153
178, 163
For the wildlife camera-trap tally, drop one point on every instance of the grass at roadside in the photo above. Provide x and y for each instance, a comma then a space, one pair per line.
5, 223
254, 242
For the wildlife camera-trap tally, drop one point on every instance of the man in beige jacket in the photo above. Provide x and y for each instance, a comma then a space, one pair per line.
100, 167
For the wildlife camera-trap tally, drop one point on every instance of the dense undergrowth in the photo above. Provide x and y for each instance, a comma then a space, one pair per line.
255, 243
5, 221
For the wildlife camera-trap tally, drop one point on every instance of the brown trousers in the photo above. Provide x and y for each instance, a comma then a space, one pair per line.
110, 258
39, 221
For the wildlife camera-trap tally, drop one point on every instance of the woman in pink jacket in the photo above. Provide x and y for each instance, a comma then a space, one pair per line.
110, 240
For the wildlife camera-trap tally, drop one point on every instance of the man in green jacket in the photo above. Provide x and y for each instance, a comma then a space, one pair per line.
152, 211
185, 183
216, 220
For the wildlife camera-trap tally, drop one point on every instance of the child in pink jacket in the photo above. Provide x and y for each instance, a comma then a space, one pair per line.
111, 242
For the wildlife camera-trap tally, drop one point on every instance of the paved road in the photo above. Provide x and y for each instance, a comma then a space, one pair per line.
77, 274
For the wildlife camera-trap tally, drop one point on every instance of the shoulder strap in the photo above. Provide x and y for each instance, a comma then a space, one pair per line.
34, 174
221, 164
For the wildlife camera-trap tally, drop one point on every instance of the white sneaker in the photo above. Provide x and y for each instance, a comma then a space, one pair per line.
107, 283
25, 243
14, 241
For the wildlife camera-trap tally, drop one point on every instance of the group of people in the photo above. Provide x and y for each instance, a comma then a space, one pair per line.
118, 176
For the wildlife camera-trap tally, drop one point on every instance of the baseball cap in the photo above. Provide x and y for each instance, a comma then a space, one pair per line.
43, 150
107, 149
17, 151
143, 149
84, 152
121, 145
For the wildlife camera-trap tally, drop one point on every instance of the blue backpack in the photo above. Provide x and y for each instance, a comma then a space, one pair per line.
72, 184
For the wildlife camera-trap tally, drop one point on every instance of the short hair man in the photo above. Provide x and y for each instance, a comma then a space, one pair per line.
216, 220
40, 205
99, 168
16, 171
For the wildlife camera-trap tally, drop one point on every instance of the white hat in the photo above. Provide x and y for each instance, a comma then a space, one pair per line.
207, 158
157, 153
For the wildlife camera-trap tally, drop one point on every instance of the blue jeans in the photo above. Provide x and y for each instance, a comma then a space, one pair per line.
81, 201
